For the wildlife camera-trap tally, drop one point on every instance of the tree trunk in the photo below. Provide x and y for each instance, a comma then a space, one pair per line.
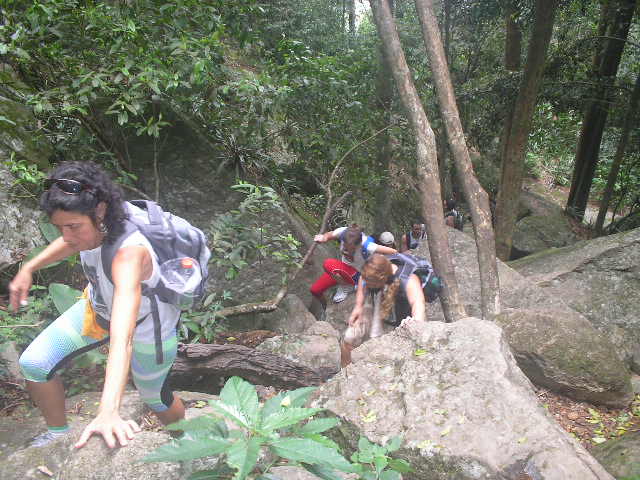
197, 362
351, 6
513, 37
595, 118
516, 139
452, 306
474, 194
384, 96
619, 156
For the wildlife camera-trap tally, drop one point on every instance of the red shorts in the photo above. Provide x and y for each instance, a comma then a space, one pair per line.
333, 268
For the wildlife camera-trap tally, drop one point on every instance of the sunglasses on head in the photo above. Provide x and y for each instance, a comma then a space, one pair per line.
68, 186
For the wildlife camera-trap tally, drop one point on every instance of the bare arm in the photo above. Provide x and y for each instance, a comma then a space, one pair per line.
385, 250
403, 243
325, 237
415, 295
356, 313
21, 283
130, 266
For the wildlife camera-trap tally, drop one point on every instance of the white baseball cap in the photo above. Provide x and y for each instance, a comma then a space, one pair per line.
386, 238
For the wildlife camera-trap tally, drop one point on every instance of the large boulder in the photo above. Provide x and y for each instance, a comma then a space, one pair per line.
95, 461
621, 456
461, 405
521, 294
19, 221
600, 279
291, 316
571, 358
540, 232
317, 352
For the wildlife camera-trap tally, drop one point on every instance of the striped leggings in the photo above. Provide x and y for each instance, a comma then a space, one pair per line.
62, 340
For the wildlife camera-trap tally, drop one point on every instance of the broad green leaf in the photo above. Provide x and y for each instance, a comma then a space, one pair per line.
294, 398
63, 296
188, 447
287, 417
319, 425
243, 456
308, 451
232, 413
49, 231
400, 465
393, 444
35, 252
322, 471
390, 475
198, 424
322, 440
221, 472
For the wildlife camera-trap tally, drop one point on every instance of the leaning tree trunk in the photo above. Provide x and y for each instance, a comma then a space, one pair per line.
595, 117
384, 90
516, 138
196, 362
619, 156
474, 194
427, 160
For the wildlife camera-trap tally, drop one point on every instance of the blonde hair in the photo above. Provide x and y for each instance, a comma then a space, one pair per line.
378, 269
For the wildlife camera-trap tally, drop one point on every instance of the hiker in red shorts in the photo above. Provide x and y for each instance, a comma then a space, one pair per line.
356, 248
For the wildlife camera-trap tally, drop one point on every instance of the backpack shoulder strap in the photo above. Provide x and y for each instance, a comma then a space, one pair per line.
108, 251
366, 243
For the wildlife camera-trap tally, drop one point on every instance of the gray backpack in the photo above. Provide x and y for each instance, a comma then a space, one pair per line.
171, 237
407, 264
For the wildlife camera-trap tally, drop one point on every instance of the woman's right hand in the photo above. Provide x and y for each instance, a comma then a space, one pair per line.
319, 238
355, 316
19, 288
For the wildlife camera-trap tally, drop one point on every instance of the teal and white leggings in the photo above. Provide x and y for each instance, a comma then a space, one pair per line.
62, 340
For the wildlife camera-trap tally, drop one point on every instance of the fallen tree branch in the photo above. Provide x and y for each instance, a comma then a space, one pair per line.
196, 362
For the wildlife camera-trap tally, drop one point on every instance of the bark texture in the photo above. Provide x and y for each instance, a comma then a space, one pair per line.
595, 118
516, 138
196, 362
474, 194
427, 160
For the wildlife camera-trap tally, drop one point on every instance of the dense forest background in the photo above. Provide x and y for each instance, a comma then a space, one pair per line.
285, 88
281, 93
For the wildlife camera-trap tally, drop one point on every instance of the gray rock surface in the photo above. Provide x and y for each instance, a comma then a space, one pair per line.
463, 408
565, 353
322, 328
600, 279
318, 352
9, 360
291, 316
621, 457
540, 232
19, 219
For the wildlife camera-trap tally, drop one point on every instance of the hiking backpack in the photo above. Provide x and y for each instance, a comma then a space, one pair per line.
408, 264
172, 238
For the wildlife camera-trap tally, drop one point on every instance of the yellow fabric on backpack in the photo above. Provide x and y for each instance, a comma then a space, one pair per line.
90, 327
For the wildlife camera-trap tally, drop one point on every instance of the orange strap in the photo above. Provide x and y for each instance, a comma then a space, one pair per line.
90, 327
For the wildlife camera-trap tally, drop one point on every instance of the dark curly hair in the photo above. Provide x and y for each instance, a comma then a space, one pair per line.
102, 189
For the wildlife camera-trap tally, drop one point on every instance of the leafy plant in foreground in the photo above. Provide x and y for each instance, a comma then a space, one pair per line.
274, 427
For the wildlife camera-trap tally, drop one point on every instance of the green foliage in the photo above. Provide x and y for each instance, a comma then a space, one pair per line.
26, 174
281, 426
274, 426
63, 296
552, 144
29, 320
374, 462
242, 232
203, 324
